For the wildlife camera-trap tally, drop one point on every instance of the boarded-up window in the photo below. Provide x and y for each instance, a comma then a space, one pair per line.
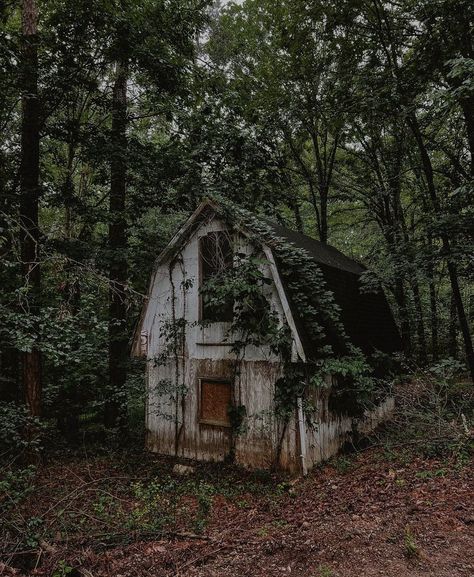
216, 398
216, 258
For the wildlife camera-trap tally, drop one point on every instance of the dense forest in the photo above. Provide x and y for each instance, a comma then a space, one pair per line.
350, 121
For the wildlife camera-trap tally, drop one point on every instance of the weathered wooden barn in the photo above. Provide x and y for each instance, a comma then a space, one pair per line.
192, 376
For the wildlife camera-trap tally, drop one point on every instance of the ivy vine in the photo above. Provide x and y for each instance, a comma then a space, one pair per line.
353, 385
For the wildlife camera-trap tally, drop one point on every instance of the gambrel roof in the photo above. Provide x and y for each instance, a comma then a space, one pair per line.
324, 254
366, 317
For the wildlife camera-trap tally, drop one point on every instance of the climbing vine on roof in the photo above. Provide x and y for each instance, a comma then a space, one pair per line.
353, 385
314, 303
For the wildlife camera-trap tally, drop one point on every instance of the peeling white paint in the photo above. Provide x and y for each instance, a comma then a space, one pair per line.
207, 353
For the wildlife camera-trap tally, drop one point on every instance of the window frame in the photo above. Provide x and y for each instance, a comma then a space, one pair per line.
210, 422
201, 276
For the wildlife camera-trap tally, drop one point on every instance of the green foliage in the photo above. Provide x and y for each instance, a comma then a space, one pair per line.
411, 548
62, 569
15, 485
244, 284
79, 44
435, 413
353, 386
145, 500
291, 385
204, 495
315, 304
324, 571
14, 426
172, 332
33, 531
446, 371
342, 464
431, 474
158, 503
237, 414
155, 508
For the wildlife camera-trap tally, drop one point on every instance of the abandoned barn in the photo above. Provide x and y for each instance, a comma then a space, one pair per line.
243, 321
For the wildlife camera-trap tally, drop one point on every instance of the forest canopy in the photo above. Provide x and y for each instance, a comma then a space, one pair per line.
350, 121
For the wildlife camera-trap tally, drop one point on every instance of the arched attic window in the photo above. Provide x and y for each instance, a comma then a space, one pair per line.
215, 258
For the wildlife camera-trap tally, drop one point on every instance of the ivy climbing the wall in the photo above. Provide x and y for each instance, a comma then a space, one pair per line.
328, 350
173, 337
254, 322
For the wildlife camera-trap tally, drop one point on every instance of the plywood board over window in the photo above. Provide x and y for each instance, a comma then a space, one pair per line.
215, 400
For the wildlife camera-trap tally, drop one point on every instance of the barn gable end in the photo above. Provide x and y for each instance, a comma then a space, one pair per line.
199, 224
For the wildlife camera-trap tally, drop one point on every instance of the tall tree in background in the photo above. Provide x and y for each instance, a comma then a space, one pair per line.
153, 45
280, 60
118, 272
407, 84
30, 193
366, 102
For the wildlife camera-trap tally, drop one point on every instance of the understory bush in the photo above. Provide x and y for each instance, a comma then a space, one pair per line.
435, 411
15, 423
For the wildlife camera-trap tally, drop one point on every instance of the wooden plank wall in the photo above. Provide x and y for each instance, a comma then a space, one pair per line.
205, 354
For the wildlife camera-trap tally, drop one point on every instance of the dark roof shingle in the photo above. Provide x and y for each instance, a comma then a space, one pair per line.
366, 316
322, 253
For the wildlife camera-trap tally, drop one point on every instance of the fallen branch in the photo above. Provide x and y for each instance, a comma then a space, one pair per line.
112, 539
105, 540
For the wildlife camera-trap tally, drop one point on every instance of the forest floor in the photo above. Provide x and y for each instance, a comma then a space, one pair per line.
377, 512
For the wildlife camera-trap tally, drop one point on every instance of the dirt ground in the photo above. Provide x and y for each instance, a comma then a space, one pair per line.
370, 514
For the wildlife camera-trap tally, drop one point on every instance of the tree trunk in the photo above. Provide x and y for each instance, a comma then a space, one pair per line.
433, 305
118, 271
68, 421
400, 299
29, 195
467, 106
434, 321
452, 269
466, 48
420, 323
453, 329
323, 236
298, 220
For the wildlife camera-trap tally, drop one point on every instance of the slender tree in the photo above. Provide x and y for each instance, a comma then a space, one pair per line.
30, 194
452, 267
118, 271
390, 25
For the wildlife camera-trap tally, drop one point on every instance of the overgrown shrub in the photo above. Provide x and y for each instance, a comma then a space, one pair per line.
435, 411
14, 425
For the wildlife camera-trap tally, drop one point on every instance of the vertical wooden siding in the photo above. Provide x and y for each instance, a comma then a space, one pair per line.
205, 354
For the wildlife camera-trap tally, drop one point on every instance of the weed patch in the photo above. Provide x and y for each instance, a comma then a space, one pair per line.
410, 546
